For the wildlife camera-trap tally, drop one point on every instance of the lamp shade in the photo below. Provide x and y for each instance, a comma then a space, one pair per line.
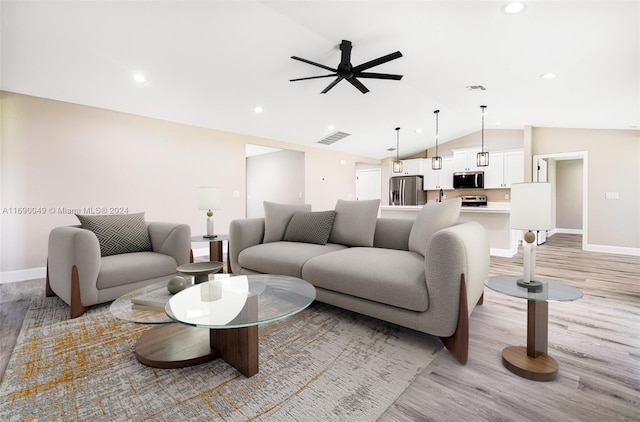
209, 198
531, 206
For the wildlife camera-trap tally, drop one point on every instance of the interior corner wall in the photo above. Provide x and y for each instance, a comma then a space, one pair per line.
58, 159
284, 185
613, 163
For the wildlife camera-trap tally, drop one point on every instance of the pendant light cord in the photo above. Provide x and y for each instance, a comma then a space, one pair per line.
437, 112
483, 107
398, 144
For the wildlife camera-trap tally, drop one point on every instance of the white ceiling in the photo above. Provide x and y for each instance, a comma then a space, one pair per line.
210, 63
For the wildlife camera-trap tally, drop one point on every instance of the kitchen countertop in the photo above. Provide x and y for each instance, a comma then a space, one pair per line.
498, 208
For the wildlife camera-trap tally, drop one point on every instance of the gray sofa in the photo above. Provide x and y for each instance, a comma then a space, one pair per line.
116, 255
426, 274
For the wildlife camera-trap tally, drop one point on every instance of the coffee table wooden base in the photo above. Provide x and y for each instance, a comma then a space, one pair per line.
179, 346
540, 368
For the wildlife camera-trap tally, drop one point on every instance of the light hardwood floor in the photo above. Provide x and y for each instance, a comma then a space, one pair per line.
596, 341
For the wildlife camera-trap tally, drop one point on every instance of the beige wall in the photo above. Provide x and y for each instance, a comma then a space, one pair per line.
58, 157
613, 166
569, 194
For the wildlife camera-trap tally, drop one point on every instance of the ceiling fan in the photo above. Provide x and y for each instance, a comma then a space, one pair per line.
351, 73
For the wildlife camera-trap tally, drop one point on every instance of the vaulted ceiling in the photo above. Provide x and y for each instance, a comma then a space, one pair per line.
211, 63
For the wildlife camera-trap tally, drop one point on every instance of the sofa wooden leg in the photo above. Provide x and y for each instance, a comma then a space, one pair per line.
48, 292
458, 343
481, 300
76, 303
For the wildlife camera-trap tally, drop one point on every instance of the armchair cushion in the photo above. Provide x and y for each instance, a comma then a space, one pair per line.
117, 270
118, 233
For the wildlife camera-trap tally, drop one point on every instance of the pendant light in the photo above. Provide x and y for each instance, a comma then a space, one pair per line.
436, 161
397, 164
482, 159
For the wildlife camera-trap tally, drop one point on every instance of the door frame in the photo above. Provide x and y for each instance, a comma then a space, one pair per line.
577, 155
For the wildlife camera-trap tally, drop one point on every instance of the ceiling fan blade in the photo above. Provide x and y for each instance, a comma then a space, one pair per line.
345, 47
378, 76
353, 81
332, 84
313, 63
312, 77
376, 62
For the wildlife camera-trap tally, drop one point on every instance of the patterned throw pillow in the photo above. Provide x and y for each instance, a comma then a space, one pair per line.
118, 234
310, 227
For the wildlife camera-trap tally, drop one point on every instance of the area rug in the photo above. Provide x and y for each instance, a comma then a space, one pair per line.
321, 364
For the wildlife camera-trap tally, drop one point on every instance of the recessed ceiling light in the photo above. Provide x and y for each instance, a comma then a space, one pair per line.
258, 110
330, 128
139, 77
513, 7
498, 123
548, 76
419, 130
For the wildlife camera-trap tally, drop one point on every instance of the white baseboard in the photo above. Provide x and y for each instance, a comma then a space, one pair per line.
505, 253
564, 231
22, 275
612, 249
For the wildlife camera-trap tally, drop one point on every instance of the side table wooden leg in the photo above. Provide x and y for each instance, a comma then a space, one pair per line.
533, 362
537, 327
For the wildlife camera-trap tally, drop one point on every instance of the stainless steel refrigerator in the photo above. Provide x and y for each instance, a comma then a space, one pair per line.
406, 190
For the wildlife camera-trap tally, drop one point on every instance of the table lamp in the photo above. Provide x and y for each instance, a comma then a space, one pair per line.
209, 198
530, 210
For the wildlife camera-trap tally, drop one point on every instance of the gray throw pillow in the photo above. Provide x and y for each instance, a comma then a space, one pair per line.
276, 219
355, 223
118, 233
432, 217
310, 227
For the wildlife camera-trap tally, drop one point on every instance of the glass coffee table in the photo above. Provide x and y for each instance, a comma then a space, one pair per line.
533, 362
218, 318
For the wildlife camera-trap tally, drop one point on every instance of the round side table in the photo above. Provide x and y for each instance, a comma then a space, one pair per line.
533, 362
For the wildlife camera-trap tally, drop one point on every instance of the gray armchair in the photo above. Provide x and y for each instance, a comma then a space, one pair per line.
79, 275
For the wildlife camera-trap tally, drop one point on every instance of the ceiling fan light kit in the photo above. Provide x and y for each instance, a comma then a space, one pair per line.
346, 71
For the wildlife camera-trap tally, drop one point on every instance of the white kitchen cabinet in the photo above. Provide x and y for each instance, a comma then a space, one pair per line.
439, 179
465, 160
413, 167
505, 168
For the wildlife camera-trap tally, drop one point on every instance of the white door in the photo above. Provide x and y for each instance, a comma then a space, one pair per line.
368, 184
540, 175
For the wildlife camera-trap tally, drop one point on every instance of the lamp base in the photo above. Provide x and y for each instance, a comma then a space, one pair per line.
209, 236
531, 286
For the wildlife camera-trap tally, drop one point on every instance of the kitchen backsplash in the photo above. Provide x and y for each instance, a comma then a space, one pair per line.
493, 195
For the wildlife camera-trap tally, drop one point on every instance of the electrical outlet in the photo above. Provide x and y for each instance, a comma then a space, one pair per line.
506, 196
611, 195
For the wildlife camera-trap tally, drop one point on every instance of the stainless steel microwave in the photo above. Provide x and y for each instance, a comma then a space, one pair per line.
468, 180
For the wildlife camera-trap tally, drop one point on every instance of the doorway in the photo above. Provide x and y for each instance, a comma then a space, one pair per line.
368, 184
568, 175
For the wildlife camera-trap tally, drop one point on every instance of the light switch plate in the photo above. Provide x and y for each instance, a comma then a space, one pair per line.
611, 195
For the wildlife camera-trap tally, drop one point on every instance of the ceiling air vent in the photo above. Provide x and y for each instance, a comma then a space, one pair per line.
476, 88
334, 137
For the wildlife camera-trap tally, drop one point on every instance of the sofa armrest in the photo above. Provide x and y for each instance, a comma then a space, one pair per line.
459, 249
243, 234
69, 247
171, 239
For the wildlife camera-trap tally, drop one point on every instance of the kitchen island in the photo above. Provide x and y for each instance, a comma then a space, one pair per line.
494, 217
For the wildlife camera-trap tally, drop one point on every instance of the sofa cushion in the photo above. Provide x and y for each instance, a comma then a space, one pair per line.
117, 270
355, 223
432, 217
277, 217
118, 233
310, 227
285, 258
388, 276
